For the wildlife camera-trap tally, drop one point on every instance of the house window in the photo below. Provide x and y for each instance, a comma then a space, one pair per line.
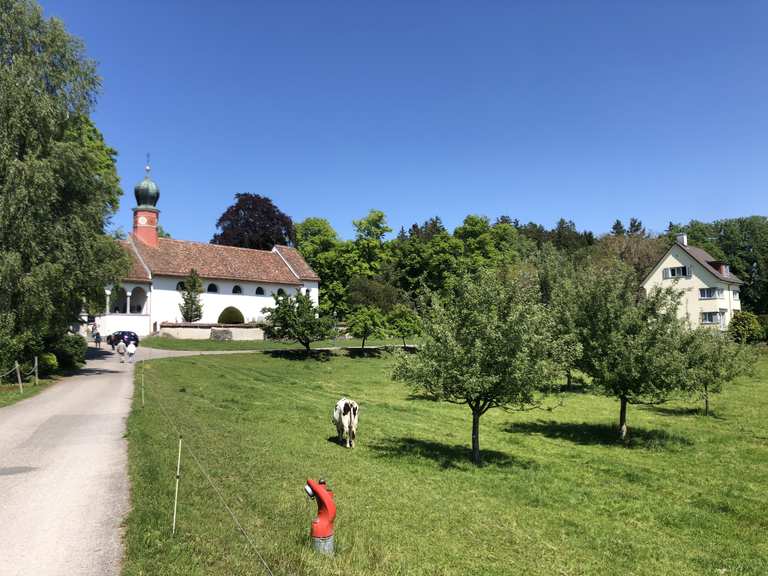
676, 272
259, 291
212, 288
735, 294
307, 291
236, 289
710, 293
180, 286
280, 292
710, 317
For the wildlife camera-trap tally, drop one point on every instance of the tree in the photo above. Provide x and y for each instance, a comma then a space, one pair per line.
364, 291
162, 232
253, 221
315, 236
58, 184
713, 361
369, 241
488, 343
633, 343
403, 321
744, 327
636, 228
618, 228
191, 308
366, 322
295, 317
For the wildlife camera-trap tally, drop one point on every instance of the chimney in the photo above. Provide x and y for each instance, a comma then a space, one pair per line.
682, 239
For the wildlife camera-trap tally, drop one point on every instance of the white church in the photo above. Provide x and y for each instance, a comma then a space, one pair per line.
241, 277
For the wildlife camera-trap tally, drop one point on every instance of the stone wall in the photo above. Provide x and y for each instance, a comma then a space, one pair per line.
190, 331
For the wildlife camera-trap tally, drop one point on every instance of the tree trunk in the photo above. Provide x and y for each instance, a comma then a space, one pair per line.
623, 419
476, 438
306, 345
363, 344
568, 379
403, 342
706, 400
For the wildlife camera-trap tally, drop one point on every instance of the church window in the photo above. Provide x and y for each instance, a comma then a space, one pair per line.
259, 291
236, 289
180, 286
280, 292
212, 288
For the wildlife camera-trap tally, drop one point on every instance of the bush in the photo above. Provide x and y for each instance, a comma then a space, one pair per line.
231, 315
763, 320
47, 364
70, 351
744, 327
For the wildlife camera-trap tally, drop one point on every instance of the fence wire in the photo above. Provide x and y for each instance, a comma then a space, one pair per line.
212, 484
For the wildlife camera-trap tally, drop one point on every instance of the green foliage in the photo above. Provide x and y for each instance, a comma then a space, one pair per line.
47, 363
489, 343
713, 361
372, 292
633, 344
403, 322
745, 327
231, 315
296, 318
70, 351
191, 307
366, 322
58, 183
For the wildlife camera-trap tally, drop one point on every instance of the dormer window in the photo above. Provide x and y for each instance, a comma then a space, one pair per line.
676, 272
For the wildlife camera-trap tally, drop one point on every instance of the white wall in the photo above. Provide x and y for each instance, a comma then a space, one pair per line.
108, 323
166, 299
691, 305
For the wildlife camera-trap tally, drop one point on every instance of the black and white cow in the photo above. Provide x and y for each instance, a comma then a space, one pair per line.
345, 418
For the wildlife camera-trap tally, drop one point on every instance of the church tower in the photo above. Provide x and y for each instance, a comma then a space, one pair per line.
145, 214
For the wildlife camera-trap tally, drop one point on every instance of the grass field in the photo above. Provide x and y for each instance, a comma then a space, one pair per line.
558, 496
165, 343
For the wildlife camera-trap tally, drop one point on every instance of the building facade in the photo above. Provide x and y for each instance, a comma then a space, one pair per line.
710, 292
151, 292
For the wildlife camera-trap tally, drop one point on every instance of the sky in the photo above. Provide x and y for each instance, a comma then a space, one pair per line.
589, 111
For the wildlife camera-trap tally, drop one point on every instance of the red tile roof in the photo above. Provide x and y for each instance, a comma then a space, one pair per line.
138, 272
178, 257
297, 263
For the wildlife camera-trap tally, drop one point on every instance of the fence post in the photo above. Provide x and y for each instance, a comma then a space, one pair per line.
176, 497
37, 379
142, 384
18, 376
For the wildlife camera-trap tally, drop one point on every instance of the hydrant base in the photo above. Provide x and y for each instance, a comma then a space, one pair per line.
323, 545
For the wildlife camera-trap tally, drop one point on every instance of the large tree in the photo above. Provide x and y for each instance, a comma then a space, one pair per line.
633, 343
489, 343
58, 183
253, 221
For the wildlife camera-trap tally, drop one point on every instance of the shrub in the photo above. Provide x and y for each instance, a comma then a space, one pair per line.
70, 351
47, 364
231, 315
763, 320
744, 327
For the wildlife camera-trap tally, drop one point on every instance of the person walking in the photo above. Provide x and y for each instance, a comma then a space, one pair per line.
131, 351
97, 339
121, 350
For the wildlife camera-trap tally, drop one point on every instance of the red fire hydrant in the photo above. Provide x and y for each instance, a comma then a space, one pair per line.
322, 526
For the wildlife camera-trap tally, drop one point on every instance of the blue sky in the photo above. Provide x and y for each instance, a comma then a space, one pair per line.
539, 110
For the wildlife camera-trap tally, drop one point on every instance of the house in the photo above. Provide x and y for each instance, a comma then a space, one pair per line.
150, 293
710, 291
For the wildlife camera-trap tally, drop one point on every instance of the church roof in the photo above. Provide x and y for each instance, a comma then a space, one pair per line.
282, 265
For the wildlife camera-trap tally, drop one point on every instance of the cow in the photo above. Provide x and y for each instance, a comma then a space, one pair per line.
345, 418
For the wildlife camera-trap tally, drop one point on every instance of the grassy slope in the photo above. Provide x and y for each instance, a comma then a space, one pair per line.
182, 344
558, 496
9, 394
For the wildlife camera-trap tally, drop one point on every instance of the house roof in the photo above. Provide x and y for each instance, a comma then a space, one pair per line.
138, 272
707, 261
177, 257
296, 262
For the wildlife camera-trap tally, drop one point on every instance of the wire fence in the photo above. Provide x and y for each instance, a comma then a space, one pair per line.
204, 472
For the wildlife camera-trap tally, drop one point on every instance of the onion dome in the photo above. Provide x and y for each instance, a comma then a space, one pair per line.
147, 192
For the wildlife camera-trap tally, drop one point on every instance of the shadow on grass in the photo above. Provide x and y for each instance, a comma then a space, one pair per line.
683, 411
363, 352
422, 396
446, 455
318, 355
599, 434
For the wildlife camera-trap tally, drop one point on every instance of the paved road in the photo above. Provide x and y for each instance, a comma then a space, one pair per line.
64, 488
